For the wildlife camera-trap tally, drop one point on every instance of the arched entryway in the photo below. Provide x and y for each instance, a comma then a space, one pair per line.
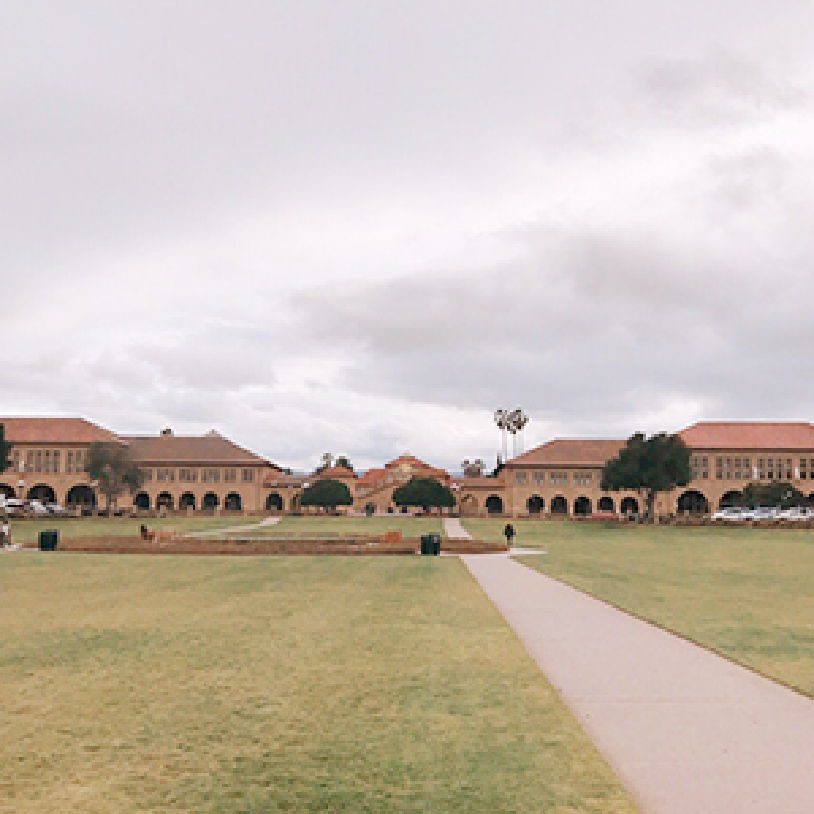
164, 501
210, 501
730, 499
535, 504
559, 505
6, 490
274, 502
81, 495
494, 505
186, 501
42, 492
582, 506
142, 501
605, 504
233, 503
693, 502
629, 505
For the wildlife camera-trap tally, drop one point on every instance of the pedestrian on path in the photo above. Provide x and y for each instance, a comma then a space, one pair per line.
509, 532
5, 534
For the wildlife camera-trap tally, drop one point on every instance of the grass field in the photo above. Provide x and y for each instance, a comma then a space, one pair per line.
27, 531
747, 593
328, 527
302, 684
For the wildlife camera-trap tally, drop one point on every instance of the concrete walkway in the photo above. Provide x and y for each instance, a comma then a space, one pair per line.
454, 530
268, 521
685, 730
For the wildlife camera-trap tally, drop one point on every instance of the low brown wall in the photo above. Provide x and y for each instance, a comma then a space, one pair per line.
267, 546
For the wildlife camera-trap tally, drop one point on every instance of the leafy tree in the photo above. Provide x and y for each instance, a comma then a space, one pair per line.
776, 493
5, 450
112, 467
344, 463
327, 494
649, 465
423, 492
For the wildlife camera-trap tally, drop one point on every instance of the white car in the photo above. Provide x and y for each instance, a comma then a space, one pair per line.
36, 507
731, 514
55, 508
796, 514
14, 506
765, 513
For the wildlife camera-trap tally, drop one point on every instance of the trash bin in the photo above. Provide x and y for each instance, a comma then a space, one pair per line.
48, 540
430, 545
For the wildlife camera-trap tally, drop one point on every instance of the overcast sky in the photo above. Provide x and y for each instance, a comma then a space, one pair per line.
361, 227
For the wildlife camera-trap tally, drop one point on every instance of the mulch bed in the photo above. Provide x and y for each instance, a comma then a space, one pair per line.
266, 546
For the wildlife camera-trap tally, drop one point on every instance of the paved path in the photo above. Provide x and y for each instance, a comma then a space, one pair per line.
685, 730
268, 521
454, 530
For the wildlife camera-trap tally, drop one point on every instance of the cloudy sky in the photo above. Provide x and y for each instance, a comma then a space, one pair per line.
364, 226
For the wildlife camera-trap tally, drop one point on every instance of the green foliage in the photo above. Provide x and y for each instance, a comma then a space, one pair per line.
776, 493
423, 492
653, 465
327, 494
112, 467
5, 449
344, 463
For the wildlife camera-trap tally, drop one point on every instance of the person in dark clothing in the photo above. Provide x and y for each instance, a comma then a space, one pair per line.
509, 532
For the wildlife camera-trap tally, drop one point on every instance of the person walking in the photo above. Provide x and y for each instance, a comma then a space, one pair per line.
509, 533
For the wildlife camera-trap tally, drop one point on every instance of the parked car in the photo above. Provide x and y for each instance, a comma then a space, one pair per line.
55, 508
36, 507
765, 513
796, 514
731, 514
14, 507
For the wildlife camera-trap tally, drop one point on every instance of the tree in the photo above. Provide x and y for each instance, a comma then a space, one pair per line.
776, 493
112, 467
423, 492
649, 465
327, 494
343, 461
5, 449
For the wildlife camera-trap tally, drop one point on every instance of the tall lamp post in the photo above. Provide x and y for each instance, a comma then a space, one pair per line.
21, 479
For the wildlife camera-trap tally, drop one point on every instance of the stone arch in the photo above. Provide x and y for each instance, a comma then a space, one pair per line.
535, 504
81, 495
7, 490
559, 505
629, 505
731, 498
274, 502
605, 504
142, 501
42, 492
186, 501
582, 506
494, 504
811, 499
469, 504
164, 501
210, 501
233, 502
693, 502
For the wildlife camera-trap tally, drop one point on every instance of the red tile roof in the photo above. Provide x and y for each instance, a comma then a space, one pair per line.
336, 473
570, 452
781, 435
211, 448
372, 476
479, 483
54, 430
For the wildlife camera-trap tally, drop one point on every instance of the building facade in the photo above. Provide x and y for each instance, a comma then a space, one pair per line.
561, 478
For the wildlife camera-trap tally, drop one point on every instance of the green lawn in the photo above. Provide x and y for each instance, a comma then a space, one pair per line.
747, 593
26, 531
303, 684
327, 527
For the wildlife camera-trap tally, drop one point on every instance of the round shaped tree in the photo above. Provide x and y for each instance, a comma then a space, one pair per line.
327, 494
424, 492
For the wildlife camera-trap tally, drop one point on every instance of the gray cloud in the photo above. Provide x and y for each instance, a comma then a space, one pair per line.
362, 227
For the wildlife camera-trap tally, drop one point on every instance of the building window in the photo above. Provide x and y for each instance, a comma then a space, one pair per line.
165, 474
230, 475
520, 478
583, 478
747, 468
56, 460
148, 474
559, 478
693, 468
719, 467
248, 475
210, 475
803, 468
538, 477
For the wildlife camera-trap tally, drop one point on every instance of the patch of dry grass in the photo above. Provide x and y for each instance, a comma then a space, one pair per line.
746, 592
301, 684
326, 527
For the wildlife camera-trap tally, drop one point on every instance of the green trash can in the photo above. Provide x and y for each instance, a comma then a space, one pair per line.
48, 540
430, 545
